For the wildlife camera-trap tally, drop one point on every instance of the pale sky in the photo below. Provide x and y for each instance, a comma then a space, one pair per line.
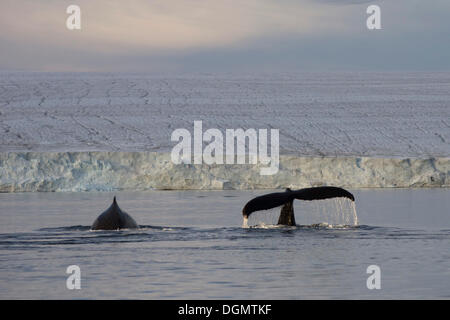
224, 35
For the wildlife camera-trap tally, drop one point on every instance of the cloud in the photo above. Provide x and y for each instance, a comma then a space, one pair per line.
220, 34
346, 2
160, 24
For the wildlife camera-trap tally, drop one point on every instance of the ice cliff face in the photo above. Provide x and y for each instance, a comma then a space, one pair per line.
108, 171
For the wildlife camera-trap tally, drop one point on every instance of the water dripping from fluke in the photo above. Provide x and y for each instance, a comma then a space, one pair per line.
323, 206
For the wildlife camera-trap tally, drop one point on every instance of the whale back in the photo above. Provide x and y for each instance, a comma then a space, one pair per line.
114, 218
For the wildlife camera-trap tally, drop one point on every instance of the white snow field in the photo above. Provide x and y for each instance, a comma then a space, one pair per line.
346, 129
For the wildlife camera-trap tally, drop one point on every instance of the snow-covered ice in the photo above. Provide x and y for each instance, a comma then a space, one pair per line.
383, 114
346, 129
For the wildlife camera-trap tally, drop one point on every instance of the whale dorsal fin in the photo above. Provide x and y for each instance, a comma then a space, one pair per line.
114, 218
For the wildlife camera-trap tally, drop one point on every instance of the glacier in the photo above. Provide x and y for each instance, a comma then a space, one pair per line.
112, 131
111, 171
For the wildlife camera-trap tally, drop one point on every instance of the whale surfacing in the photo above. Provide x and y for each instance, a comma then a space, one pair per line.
113, 219
286, 200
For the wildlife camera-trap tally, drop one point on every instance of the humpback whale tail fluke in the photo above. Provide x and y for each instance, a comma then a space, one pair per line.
286, 200
114, 218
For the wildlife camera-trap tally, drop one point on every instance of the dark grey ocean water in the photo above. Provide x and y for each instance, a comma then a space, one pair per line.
192, 246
